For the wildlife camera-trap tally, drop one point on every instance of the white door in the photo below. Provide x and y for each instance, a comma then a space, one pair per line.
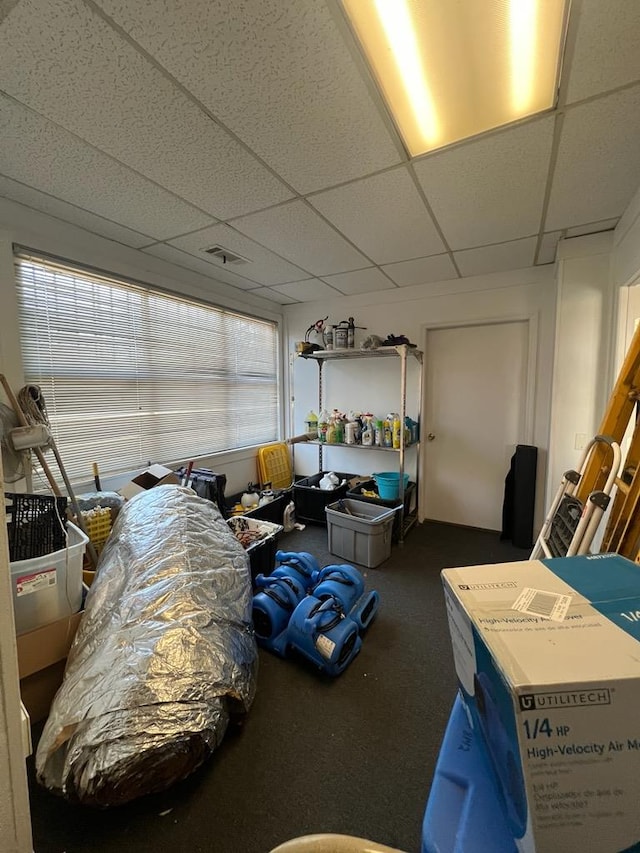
475, 407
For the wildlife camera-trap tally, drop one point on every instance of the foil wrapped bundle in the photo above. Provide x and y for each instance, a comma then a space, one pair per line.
164, 654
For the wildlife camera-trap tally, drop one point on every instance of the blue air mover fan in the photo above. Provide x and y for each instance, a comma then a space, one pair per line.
321, 632
296, 564
503, 755
273, 604
345, 583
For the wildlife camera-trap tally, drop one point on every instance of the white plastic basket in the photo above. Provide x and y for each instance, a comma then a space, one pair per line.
50, 587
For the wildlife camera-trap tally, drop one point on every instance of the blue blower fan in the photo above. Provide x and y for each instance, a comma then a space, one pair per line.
321, 632
345, 583
273, 604
299, 565
503, 758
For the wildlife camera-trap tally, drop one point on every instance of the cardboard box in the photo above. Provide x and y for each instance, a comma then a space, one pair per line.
42, 655
154, 475
547, 655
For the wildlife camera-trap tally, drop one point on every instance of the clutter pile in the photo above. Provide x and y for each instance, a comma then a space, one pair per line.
363, 428
318, 613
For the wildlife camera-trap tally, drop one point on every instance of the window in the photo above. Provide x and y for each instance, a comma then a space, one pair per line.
131, 375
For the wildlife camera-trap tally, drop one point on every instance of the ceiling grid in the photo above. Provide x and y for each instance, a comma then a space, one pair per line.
257, 125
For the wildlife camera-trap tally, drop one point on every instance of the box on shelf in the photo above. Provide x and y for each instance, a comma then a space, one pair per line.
261, 551
42, 655
360, 532
154, 475
356, 494
310, 500
50, 587
547, 654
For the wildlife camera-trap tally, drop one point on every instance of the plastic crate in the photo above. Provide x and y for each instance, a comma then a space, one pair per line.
360, 532
311, 501
49, 587
274, 465
262, 551
464, 812
36, 525
370, 485
97, 523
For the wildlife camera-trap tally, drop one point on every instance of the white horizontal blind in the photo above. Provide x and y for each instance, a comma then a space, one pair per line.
132, 376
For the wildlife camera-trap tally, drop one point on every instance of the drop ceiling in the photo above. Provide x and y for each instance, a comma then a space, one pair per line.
254, 125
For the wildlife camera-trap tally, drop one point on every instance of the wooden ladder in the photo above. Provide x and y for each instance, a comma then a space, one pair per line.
622, 533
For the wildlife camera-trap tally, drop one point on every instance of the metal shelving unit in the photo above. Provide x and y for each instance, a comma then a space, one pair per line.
404, 353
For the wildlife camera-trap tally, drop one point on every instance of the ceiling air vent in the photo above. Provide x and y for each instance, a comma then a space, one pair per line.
225, 255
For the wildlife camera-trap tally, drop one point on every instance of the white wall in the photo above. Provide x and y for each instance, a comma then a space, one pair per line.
15, 823
517, 294
583, 364
625, 259
27, 227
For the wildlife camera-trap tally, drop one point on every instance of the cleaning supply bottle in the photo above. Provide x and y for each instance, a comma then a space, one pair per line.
397, 434
311, 425
387, 437
378, 433
351, 333
323, 424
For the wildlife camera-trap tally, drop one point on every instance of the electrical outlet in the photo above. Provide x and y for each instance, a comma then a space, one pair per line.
581, 441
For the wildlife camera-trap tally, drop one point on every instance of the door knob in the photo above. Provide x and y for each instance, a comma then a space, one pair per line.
430, 437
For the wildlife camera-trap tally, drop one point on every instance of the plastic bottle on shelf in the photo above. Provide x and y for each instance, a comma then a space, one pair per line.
311, 424
323, 423
351, 333
387, 437
378, 433
397, 433
350, 432
367, 434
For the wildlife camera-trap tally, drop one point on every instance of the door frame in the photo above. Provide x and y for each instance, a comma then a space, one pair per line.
532, 321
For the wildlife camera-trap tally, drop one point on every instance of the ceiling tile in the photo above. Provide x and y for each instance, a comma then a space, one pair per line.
606, 51
422, 270
44, 203
307, 291
296, 232
383, 215
183, 259
598, 166
360, 281
38, 153
492, 189
273, 295
592, 227
548, 247
64, 61
276, 72
265, 267
500, 258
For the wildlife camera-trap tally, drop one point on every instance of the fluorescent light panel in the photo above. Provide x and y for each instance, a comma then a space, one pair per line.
449, 70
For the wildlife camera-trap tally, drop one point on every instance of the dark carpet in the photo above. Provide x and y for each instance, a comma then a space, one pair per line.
351, 755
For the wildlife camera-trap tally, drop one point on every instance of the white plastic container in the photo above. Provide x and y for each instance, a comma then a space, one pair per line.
49, 588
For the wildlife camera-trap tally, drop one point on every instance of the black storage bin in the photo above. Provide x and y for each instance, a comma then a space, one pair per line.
370, 485
310, 501
274, 510
207, 484
261, 552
